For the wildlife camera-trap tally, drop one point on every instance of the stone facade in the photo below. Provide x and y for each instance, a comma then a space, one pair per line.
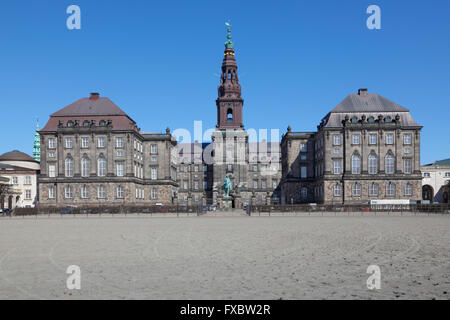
436, 181
367, 148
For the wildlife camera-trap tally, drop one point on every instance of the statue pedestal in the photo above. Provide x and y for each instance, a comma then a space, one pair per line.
227, 202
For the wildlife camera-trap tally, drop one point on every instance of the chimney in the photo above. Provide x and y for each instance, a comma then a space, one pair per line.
362, 92
94, 96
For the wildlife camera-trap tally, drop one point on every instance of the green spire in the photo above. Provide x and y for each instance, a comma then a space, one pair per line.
37, 144
229, 44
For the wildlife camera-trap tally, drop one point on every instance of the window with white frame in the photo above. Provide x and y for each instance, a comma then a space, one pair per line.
426, 174
101, 192
51, 154
355, 139
356, 164
52, 171
101, 167
373, 190
389, 138
373, 164
390, 189
84, 192
255, 184
372, 138
154, 173
119, 169
407, 150
52, 143
154, 194
337, 150
274, 184
337, 140
336, 166
68, 167
68, 192
390, 164
120, 154
196, 185
85, 167
303, 147
263, 184
356, 190
337, 190
154, 149
68, 143
28, 194
407, 166
120, 192
185, 184
119, 142
51, 192
15, 180
101, 142
408, 189
447, 174
407, 138
84, 143
27, 180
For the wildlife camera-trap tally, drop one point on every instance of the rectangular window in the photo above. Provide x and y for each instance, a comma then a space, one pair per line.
337, 167
195, 185
407, 138
28, 194
255, 184
119, 142
51, 154
120, 193
68, 193
120, 167
101, 142
336, 140
154, 149
205, 185
27, 180
120, 154
154, 173
185, 185
101, 192
15, 180
372, 138
389, 138
154, 194
303, 147
303, 173
255, 168
51, 170
52, 143
337, 150
407, 150
68, 143
51, 193
373, 190
447, 174
355, 139
84, 192
85, 143
407, 166
426, 174
274, 184
263, 184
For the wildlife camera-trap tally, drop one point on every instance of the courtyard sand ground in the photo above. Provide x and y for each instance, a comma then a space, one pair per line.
301, 257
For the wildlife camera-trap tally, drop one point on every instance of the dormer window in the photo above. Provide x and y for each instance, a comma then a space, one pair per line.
86, 123
102, 123
70, 124
371, 120
354, 120
388, 119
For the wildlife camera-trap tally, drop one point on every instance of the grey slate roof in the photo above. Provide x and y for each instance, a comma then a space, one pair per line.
440, 163
371, 102
87, 107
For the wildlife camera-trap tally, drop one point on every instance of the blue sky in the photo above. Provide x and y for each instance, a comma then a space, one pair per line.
160, 60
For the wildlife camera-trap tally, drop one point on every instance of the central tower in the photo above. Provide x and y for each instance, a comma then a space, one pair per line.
230, 140
229, 103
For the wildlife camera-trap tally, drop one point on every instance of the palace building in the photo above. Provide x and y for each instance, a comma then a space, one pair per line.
93, 153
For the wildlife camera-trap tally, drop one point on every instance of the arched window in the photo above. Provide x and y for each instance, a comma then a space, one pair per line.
86, 123
390, 164
390, 189
68, 167
371, 120
101, 170
388, 119
229, 115
304, 193
354, 120
85, 167
356, 164
337, 190
356, 190
373, 164
84, 192
102, 123
70, 124
373, 190
408, 189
